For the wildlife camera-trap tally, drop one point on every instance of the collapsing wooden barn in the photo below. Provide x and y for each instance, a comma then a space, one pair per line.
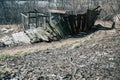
54, 25
60, 23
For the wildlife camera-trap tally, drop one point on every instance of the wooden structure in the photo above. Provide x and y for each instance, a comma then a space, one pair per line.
83, 22
33, 19
61, 24
67, 23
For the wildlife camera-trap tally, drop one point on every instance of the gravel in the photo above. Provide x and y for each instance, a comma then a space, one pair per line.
84, 62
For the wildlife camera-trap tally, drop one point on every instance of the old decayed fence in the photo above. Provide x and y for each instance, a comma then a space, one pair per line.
83, 22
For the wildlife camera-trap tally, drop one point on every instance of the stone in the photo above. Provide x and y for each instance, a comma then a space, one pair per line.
32, 35
38, 35
7, 40
116, 19
21, 37
42, 34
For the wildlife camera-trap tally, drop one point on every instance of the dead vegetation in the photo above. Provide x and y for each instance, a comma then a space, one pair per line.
95, 56
9, 29
94, 59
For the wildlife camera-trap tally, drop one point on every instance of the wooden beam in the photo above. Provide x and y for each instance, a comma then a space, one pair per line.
24, 15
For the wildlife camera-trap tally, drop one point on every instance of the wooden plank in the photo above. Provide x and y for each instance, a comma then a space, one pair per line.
78, 23
57, 11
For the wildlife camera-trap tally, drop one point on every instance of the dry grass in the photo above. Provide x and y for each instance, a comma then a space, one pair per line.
12, 29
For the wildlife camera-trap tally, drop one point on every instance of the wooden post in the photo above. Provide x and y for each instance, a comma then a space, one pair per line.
36, 20
28, 21
44, 22
24, 17
50, 17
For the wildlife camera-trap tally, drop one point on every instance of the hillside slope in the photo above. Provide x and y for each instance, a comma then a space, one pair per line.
96, 58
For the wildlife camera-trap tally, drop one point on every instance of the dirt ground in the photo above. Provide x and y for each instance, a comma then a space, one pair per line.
93, 56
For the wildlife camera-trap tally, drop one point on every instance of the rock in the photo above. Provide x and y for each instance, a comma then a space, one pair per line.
7, 41
29, 36
21, 37
37, 35
42, 34
116, 18
32, 35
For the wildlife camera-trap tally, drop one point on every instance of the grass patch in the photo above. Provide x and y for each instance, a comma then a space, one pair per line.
3, 56
8, 55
